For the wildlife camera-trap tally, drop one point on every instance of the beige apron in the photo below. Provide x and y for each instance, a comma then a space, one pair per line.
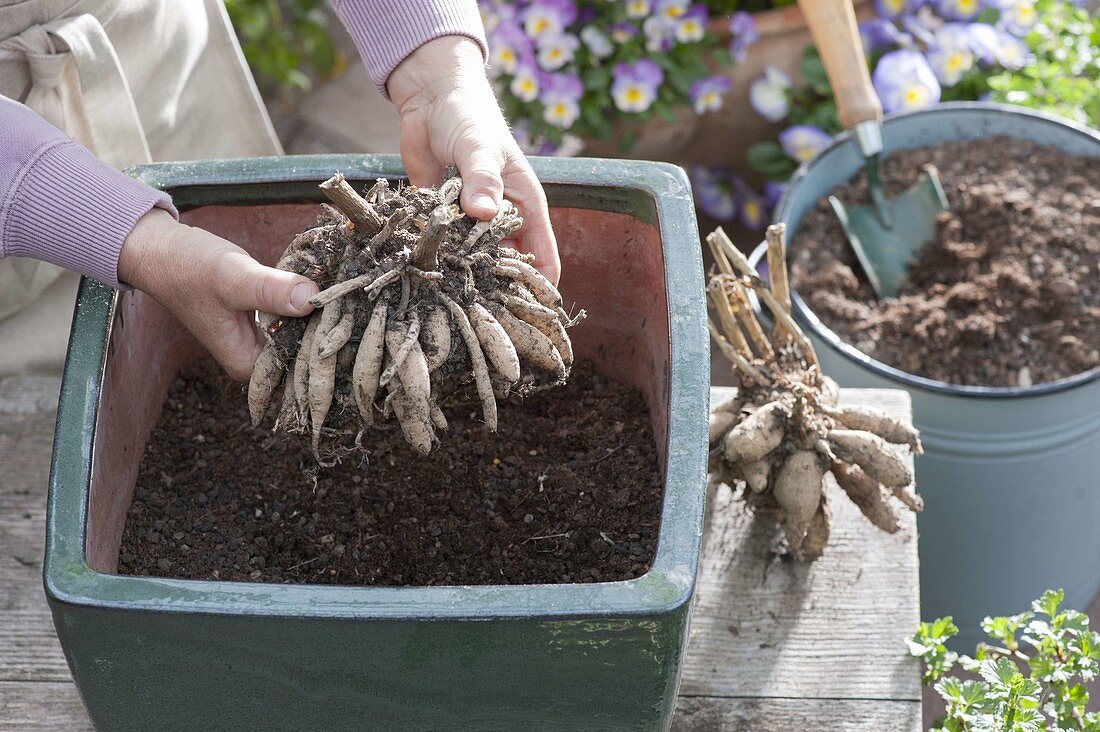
134, 81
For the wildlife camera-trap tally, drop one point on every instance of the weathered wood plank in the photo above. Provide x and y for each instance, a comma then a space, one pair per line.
707, 714
830, 629
29, 650
49, 706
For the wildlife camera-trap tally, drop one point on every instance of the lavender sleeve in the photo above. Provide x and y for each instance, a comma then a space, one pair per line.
386, 31
59, 203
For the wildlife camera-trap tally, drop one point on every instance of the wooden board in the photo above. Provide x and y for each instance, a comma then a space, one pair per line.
830, 629
774, 645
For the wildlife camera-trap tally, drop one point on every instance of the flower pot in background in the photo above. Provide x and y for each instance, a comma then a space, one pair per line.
232, 655
1009, 475
723, 137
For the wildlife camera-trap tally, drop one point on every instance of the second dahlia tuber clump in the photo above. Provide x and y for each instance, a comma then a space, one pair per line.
416, 299
784, 430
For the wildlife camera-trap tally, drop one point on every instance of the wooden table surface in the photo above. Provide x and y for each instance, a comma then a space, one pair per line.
775, 645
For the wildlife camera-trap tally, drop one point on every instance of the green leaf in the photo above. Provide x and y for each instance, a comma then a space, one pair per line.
1049, 602
769, 159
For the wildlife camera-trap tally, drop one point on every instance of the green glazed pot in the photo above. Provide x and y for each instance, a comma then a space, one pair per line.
154, 653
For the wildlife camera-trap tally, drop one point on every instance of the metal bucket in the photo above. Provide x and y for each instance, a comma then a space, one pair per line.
1010, 476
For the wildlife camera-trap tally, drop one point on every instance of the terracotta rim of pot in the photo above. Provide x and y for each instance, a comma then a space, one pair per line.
808, 319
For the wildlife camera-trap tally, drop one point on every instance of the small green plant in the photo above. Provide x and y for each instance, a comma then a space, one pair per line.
1031, 678
282, 40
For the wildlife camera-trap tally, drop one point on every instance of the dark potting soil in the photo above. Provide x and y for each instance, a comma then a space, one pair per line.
1008, 293
568, 490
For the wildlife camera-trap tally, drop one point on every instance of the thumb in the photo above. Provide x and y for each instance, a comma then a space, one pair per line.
252, 286
482, 185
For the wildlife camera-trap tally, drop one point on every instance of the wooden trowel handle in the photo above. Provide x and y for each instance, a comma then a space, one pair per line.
833, 27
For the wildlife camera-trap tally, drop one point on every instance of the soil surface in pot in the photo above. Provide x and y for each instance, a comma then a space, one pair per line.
568, 490
1008, 293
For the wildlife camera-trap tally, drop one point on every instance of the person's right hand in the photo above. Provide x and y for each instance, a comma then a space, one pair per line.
450, 115
211, 285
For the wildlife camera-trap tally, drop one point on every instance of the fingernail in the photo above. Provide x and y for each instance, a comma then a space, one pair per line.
299, 296
484, 200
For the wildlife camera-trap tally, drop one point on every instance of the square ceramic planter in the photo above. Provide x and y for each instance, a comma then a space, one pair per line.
184, 654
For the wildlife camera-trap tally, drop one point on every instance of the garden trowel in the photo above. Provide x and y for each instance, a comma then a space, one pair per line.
885, 234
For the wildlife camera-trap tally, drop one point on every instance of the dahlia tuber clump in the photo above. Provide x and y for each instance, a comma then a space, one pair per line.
783, 430
416, 299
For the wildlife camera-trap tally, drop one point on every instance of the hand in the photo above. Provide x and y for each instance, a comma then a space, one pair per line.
449, 114
211, 285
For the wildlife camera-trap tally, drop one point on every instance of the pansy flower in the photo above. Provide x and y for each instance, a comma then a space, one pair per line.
959, 9
773, 192
556, 51
742, 34
1018, 17
706, 94
634, 88
547, 18
671, 10
770, 94
802, 143
890, 8
950, 56
658, 34
692, 25
622, 32
525, 84
637, 8
879, 34
598, 44
560, 97
714, 192
1011, 52
508, 47
904, 81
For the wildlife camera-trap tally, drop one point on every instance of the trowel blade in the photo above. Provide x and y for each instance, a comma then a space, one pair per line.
884, 253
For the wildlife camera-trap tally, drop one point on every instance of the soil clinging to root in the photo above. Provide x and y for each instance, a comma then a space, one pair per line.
1008, 293
567, 490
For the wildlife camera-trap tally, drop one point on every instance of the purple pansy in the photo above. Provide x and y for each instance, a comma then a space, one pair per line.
770, 94
904, 81
803, 142
691, 26
714, 192
525, 84
706, 93
622, 32
556, 51
959, 9
638, 8
950, 56
773, 191
879, 34
544, 18
1018, 17
1011, 53
598, 44
743, 34
891, 8
560, 96
509, 46
635, 85
658, 34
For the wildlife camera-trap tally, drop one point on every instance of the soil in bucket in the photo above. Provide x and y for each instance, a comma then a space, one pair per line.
1008, 293
568, 490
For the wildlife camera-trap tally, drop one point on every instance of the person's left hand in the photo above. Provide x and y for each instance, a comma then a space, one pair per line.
450, 115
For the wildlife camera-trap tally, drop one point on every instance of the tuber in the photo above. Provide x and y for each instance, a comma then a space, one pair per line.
416, 303
783, 430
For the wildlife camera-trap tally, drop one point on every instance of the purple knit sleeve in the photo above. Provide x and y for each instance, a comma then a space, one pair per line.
59, 203
386, 31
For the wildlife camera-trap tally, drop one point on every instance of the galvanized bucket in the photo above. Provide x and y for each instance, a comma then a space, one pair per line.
1010, 476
